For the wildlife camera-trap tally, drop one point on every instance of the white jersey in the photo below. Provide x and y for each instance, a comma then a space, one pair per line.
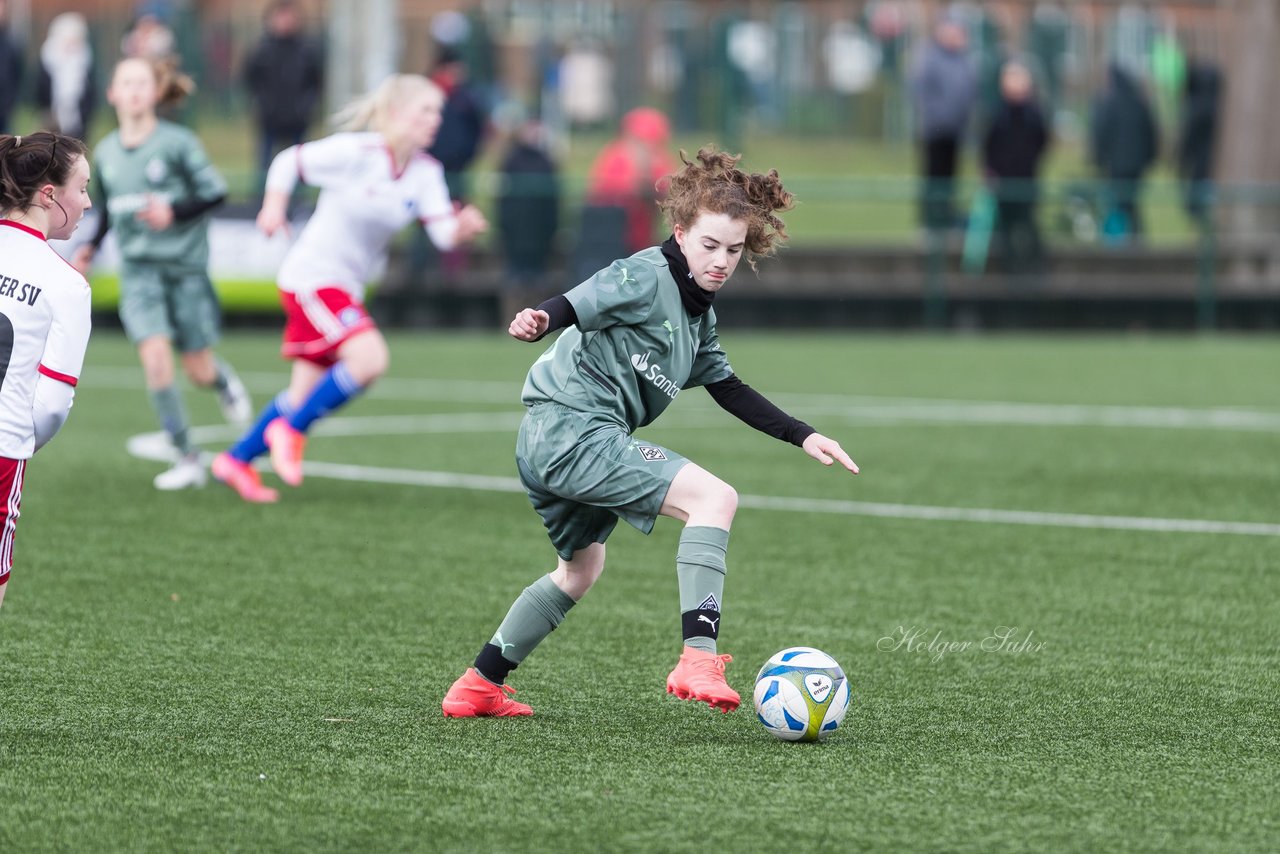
44, 329
362, 204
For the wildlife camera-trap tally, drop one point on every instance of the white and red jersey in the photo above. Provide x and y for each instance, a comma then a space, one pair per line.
363, 203
44, 329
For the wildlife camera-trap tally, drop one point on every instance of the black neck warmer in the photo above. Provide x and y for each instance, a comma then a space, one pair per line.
696, 300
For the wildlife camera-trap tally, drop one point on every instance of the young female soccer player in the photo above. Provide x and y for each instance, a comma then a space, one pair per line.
639, 332
158, 186
372, 184
44, 306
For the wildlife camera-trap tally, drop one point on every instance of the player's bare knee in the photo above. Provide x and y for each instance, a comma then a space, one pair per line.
200, 370
370, 361
575, 577
715, 497
721, 502
729, 500
157, 363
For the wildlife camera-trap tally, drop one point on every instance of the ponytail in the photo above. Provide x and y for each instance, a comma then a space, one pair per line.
30, 161
372, 110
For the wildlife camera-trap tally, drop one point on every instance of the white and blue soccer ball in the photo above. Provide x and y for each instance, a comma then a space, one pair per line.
801, 694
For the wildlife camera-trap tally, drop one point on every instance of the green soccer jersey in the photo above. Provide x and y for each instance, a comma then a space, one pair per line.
633, 349
172, 165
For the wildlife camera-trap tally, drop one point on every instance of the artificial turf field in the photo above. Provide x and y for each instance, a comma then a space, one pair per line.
182, 672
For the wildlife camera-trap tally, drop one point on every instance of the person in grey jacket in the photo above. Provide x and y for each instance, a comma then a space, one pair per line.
944, 84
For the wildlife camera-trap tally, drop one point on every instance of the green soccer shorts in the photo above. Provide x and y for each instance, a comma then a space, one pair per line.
584, 473
161, 299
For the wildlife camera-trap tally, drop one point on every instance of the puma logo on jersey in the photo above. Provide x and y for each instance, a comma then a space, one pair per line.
671, 330
626, 278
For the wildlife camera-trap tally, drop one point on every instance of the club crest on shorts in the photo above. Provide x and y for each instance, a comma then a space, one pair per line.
651, 454
349, 316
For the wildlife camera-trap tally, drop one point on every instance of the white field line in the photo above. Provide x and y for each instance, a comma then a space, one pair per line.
857, 409
155, 446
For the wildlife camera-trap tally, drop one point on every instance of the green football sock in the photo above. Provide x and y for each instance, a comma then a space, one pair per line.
167, 402
534, 615
700, 567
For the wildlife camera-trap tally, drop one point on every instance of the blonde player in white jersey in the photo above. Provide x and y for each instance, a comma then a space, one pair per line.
374, 179
44, 306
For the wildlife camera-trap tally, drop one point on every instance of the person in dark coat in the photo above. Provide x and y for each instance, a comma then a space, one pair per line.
10, 69
528, 206
1124, 145
285, 78
1012, 149
1197, 145
463, 122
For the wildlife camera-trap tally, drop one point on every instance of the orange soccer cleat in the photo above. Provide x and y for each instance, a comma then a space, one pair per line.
699, 675
287, 445
473, 696
242, 477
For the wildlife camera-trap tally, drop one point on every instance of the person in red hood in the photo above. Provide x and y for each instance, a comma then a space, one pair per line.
631, 172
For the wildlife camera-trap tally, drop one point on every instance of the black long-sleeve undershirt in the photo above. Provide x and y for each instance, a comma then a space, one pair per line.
561, 312
732, 394
754, 409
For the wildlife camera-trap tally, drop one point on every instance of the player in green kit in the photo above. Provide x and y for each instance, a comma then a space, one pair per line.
637, 334
159, 187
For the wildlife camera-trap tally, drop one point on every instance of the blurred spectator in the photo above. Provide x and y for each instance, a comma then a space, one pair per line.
944, 86
66, 83
284, 76
1012, 148
150, 36
10, 69
463, 121
1048, 39
586, 85
1201, 111
631, 172
1124, 145
528, 205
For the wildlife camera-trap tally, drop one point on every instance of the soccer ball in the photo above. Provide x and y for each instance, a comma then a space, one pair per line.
801, 694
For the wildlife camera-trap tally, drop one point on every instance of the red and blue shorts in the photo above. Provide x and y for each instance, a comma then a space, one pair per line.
317, 322
11, 472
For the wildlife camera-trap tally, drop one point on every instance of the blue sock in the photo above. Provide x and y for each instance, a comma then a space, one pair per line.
252, 444
332, 392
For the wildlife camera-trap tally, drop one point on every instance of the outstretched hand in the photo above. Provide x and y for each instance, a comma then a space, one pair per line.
275, 212
82, 258
828, 451
157, 215
471, 222
530, 325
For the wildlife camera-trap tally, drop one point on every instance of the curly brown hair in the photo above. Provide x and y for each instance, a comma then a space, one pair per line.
712, 182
